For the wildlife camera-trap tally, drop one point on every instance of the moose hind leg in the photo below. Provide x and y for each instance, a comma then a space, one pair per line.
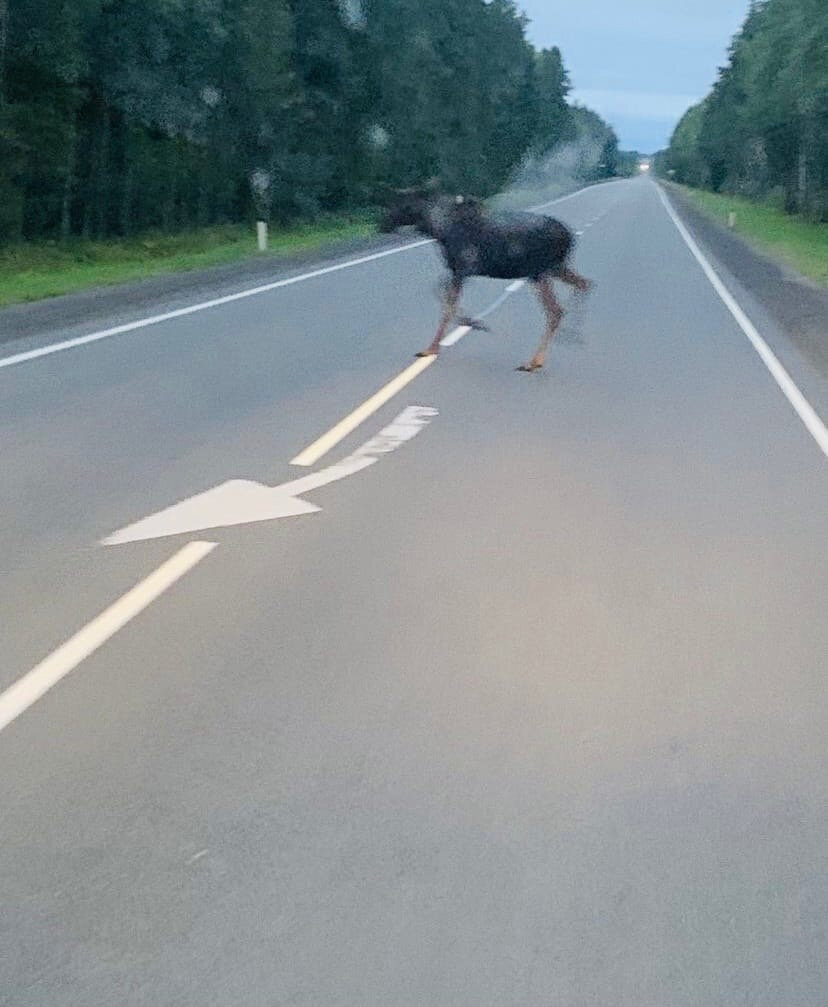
580, 283
554, 314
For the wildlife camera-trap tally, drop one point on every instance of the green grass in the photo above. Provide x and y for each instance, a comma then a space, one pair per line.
800, 243
30, 271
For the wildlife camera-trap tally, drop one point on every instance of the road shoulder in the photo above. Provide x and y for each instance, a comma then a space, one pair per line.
58, 317
797, 305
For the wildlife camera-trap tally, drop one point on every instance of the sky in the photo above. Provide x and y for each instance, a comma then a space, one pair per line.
639, 64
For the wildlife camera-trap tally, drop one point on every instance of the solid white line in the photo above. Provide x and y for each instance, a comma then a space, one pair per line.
323, 444
141, 323
28, 689
803, 408
515, 286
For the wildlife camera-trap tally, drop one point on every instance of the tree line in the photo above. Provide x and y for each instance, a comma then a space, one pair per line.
118, 116
763, 130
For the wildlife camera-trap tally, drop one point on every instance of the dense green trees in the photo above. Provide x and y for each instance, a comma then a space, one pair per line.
553, 120
597, 146
122, 115
764, 127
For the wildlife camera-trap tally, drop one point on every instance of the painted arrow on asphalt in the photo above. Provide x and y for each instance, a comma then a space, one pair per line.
241, 501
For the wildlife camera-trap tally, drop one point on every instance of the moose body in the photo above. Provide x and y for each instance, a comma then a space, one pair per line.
504, 246
475, 242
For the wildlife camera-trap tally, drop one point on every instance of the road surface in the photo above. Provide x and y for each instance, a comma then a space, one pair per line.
532, 709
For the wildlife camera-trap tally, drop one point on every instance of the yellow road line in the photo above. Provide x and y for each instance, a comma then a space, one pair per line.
35, 683
329, 440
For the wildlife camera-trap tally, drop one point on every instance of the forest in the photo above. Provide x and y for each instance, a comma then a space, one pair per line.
762, 132
121, 116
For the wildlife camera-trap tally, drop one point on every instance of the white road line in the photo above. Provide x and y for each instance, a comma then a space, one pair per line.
515, 286
803, 408
35, 683
142, 323
456, 335
329, 440
507, 293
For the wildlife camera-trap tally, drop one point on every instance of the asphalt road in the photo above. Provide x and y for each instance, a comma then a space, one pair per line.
531, 712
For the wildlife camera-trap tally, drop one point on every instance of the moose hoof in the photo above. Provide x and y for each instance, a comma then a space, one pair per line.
473, 323
426, 353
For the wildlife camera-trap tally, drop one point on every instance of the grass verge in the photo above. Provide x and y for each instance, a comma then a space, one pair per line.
30, 271
800, 243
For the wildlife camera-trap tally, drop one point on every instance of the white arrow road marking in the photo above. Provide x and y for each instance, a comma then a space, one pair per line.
241, 501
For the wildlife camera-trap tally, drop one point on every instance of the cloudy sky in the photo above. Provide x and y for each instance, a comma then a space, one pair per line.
640, 63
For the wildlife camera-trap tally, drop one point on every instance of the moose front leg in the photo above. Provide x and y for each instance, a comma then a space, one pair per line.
451, 299
554, 314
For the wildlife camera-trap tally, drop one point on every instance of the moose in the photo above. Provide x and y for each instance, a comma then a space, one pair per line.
476, 242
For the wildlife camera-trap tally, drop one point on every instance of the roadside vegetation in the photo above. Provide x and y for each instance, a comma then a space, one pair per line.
758, 143
166, 116
30, 271
150, 135
801, 243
